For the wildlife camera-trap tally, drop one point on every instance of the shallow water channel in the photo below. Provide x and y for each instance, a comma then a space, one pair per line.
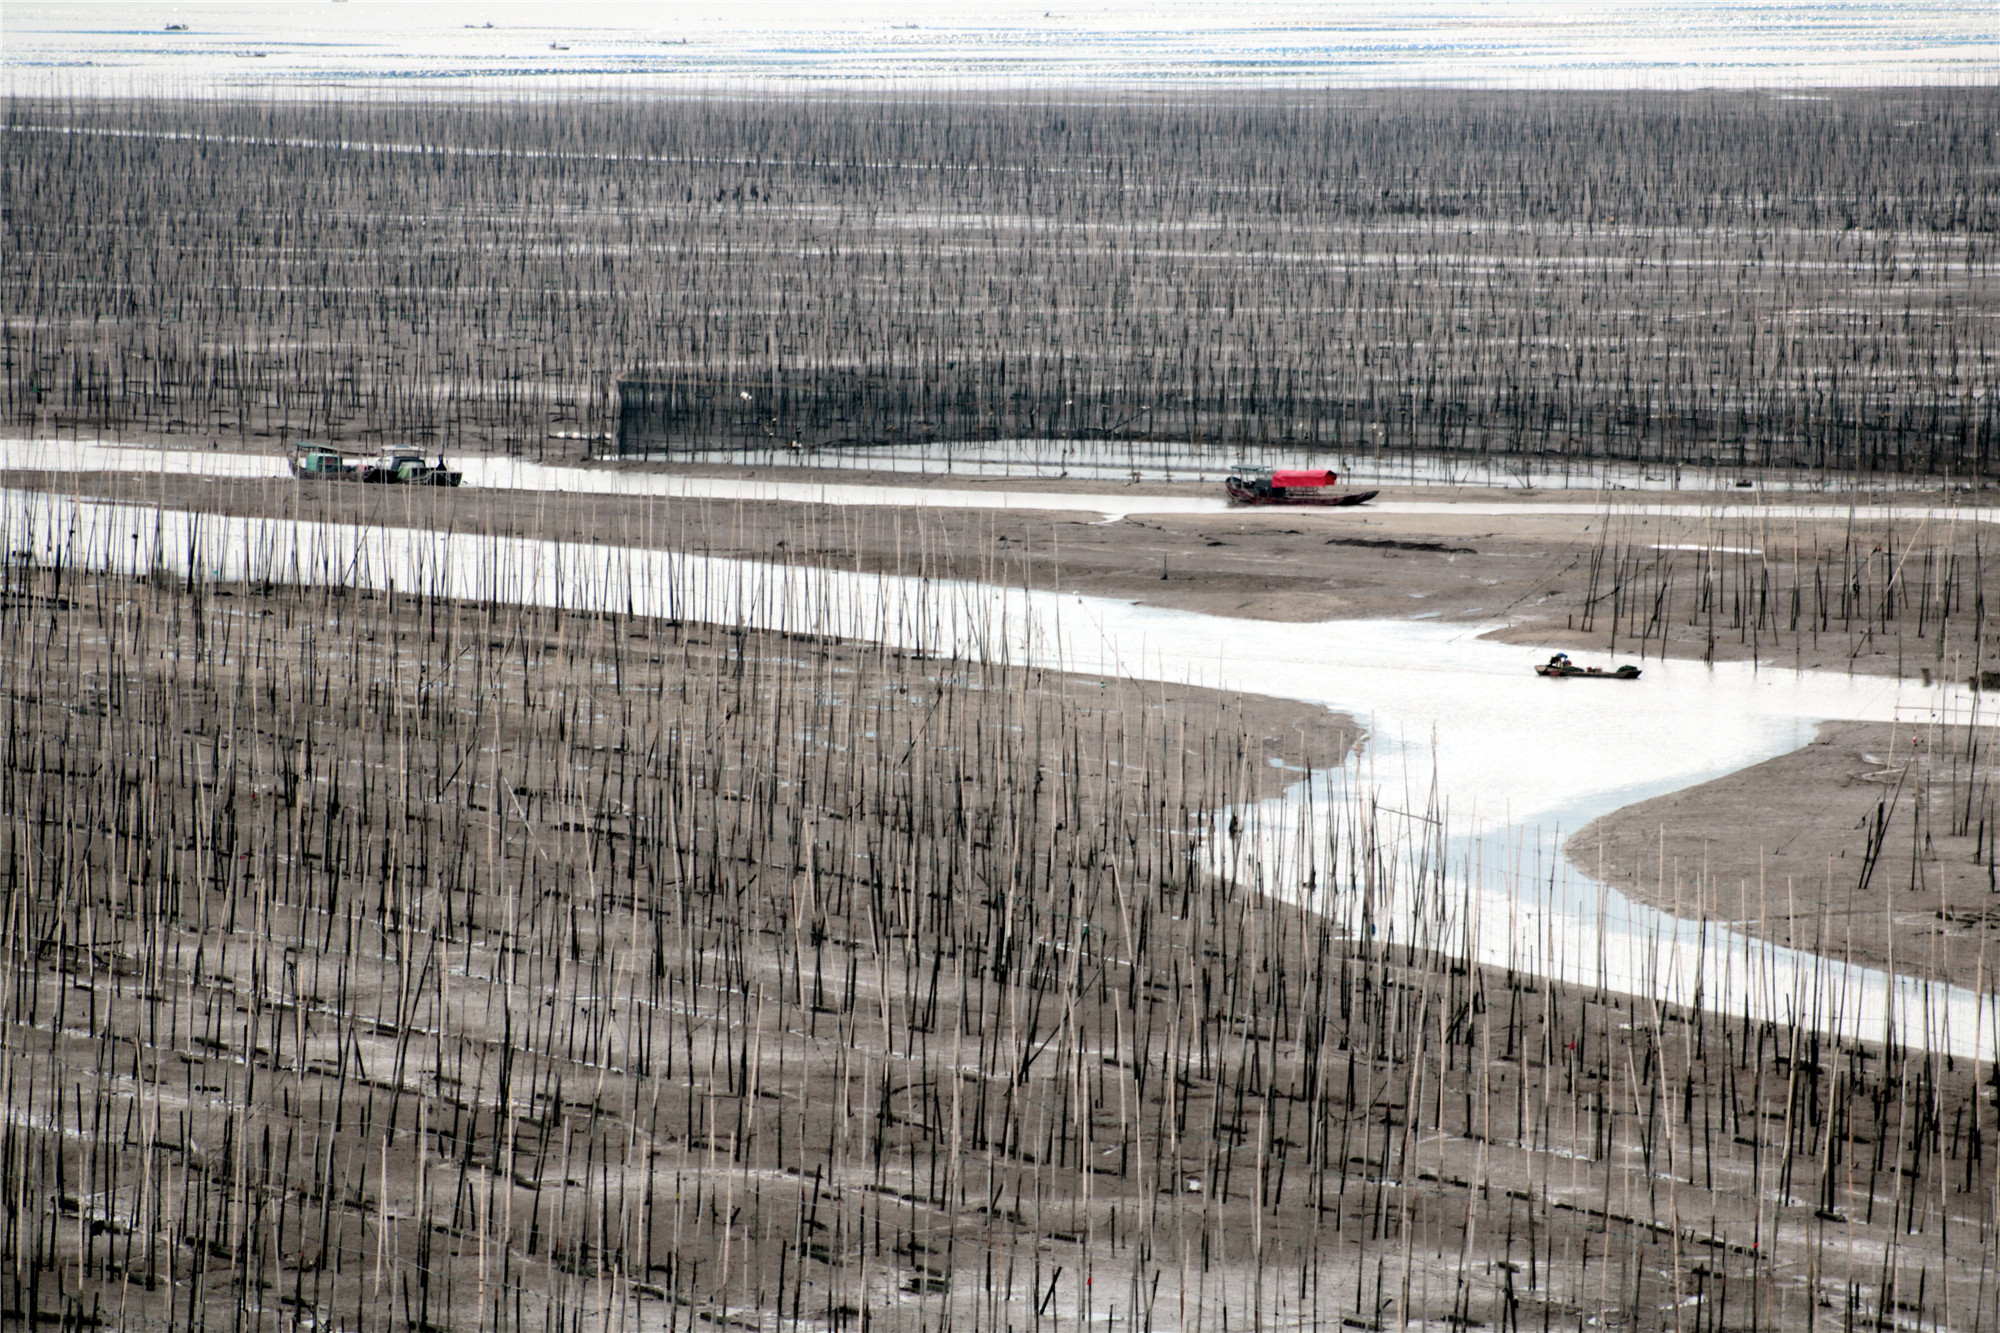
513, 474
1444, 830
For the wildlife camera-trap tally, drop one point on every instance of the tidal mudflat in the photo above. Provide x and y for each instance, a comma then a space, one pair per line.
635, 894
601, 954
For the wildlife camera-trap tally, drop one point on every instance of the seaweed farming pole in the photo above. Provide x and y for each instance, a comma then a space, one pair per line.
676, 1049
1246, 260
934, 618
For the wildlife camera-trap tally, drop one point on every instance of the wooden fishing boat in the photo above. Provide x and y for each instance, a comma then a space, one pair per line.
314, 462
1560, 667
403, 469
1295, 487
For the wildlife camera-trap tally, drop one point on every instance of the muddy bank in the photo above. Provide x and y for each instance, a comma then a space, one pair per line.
675, 975
1790, 830
1872, 844
1862, 593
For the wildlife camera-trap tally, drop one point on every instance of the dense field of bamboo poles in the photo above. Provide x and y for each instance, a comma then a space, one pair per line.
1867, 591
387, 961
1791, 591
1694, 277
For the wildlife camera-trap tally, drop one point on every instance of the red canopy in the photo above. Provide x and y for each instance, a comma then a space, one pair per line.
1317, 477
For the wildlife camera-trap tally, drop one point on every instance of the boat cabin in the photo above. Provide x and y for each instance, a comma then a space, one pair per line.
319, 462
1274, 482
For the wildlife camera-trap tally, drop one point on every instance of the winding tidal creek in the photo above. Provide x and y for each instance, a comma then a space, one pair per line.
1444, 830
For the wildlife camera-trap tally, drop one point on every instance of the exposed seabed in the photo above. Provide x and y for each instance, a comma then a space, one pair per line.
1444, 832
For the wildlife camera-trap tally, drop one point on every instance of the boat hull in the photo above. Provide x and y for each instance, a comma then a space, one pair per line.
1586, 673
387, 477
1240, 494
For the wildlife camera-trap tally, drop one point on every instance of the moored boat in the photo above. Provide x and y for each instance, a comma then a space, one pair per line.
402, 469
1561, 668
316, 462
1295, 486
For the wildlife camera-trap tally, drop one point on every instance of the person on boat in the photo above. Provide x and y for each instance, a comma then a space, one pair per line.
1560, 661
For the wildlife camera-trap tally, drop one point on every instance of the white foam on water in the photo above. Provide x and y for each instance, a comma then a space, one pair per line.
1456, 725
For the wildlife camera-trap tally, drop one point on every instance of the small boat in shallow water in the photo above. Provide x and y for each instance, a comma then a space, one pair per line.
1561, 668
1266, 486
313, 462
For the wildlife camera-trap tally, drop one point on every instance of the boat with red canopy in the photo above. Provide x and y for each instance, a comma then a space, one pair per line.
1291, 486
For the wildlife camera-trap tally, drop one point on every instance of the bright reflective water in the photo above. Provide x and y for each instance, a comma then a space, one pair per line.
1143, 460
517, 474
1458, 726
1043, 460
